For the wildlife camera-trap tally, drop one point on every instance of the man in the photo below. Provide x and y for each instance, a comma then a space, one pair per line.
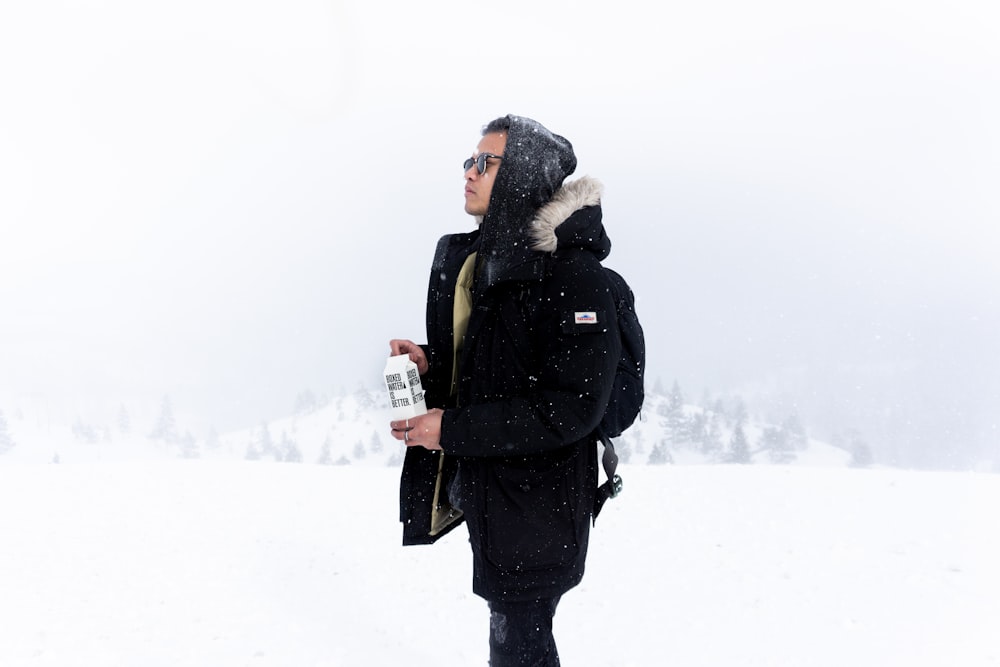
521, 353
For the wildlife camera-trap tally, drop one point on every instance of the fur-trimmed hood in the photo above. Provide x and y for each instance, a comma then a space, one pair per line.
568, 200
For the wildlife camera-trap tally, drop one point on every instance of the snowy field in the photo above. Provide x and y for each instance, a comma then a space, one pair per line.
226, 563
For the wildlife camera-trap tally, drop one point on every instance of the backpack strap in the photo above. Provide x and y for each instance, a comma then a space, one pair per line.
613, 486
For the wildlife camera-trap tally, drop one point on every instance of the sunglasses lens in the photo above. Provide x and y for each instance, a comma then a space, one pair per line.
479, 161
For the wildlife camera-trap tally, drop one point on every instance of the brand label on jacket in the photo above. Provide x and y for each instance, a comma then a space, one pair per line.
589, 317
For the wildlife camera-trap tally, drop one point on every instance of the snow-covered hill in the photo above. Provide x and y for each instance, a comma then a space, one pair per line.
256, 563
353, 429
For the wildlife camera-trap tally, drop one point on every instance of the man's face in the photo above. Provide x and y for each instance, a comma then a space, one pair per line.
479, 186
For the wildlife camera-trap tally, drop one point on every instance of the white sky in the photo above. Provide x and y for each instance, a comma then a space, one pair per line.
230, 202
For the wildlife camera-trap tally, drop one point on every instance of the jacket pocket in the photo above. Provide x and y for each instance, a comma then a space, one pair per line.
531, 517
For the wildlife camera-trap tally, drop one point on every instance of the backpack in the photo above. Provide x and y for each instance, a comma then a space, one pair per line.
627, 392
627, 389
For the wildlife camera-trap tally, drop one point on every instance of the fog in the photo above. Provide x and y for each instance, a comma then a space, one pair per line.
228, 203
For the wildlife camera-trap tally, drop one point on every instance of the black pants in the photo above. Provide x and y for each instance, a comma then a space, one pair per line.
521, 634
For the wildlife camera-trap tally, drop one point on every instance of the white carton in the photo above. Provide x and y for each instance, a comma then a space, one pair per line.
406, 395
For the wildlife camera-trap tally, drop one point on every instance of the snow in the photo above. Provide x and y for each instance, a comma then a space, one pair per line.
354, 427
229, 562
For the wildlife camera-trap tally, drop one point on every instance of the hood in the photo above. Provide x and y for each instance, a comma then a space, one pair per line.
572, 219
535, 163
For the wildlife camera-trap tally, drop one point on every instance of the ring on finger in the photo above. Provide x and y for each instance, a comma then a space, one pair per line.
406, 436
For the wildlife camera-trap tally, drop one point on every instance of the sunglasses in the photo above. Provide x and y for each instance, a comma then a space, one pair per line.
480, 162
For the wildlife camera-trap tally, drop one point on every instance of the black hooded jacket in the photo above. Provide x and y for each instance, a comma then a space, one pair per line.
519, 459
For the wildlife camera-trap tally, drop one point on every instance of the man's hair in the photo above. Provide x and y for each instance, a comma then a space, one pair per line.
500, 125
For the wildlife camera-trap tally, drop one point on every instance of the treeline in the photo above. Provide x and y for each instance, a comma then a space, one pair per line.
712, 430
721, 430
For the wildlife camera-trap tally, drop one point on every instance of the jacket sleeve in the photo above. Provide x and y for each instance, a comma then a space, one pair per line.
577, 346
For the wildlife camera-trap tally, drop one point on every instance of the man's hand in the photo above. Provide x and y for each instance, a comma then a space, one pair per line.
402, 346
423, 431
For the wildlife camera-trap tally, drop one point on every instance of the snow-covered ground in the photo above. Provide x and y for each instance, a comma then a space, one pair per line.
227, 563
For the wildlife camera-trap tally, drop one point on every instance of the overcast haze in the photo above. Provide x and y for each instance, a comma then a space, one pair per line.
228, 203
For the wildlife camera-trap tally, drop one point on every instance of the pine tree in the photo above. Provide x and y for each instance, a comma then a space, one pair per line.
253, 454
305, 402
795, 432
281, 449
738, 415
6, 440
124, 420
660, 454
292, 452
265, 443
84, 431
779, 449
166, 428
325, 454
364, 398
696, 427
739, 448
212, 439
861, 452
359, 450
396, 458
189, 446
676, 397
711, 443
673, 411
638, 446
288, 450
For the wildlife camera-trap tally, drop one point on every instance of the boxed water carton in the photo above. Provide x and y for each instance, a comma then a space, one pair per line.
406, 395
